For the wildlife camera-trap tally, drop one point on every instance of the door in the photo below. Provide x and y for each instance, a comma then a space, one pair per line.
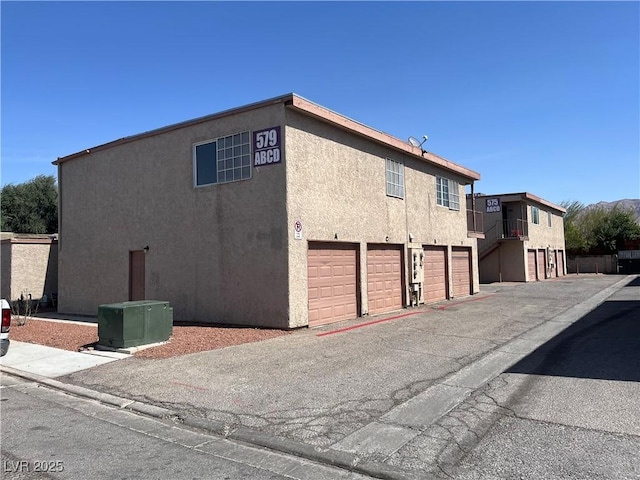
554, 266
332, 281
384, 278
435, 274
461, 269
531, 265
136, 274
542, 265
560, 262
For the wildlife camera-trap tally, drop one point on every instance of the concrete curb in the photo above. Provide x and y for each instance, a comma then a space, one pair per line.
335, 458
106, 398
345, 460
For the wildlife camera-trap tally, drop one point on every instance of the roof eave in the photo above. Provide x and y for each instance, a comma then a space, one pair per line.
176, 126
528, 196
324, 114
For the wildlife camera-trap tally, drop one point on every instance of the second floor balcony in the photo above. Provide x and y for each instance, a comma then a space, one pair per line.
475, 224
513, 228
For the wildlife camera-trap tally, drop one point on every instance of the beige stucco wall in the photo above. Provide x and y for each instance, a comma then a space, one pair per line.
336, 187
543, 236
29, 268
217, 253
507, 263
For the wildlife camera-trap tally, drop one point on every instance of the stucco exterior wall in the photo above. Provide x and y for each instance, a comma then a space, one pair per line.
29, 268
507, 263
217, 253
543, 236
336, 187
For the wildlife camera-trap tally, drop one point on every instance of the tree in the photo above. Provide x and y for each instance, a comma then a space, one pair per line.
597, 230
617, 226
30, 207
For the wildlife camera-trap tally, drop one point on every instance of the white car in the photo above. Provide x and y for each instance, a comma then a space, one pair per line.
6, 326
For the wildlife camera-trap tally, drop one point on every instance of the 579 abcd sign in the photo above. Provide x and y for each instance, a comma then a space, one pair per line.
266, 147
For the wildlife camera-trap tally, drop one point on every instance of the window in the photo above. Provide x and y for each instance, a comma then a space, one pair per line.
226, 159
447, 193
395, 179
549, 219
535, 215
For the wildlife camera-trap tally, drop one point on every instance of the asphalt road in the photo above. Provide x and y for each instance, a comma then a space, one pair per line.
568, 410
525, 381
47, 434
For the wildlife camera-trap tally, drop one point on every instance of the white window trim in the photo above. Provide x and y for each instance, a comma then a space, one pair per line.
389, 184
212, 140
452, 198
535, 209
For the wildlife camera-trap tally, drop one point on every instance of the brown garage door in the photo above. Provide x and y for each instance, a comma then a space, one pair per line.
435, 274
332, 280
542, 266
531, 264
560, 262
384, 278
461, 269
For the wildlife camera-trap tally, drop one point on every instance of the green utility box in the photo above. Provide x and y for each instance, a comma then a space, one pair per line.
130, 324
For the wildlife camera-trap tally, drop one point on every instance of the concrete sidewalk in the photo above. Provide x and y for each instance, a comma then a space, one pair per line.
354, 394
53, 362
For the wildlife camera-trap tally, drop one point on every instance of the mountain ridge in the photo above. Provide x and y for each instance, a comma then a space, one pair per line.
632, 204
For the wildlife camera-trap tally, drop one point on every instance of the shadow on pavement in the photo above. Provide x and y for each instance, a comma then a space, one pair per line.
634, 283
604, 344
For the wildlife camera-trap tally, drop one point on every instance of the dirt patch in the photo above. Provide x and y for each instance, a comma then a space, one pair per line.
184, 340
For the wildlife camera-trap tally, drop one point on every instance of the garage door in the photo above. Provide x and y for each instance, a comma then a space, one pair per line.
542, 266
384, 278
461, 269
332, 280
435, 274
560, 262
531, 265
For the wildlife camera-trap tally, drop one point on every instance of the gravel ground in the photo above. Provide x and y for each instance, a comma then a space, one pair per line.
185, 340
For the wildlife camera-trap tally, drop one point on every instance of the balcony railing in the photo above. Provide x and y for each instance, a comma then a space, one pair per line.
475, 224
515, 228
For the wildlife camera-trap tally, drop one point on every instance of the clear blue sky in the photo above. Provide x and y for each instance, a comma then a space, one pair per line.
536, 96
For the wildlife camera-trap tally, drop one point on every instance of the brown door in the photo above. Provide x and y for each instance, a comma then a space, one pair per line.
384, 278
461, 269
136, 275
531, 265
332, 281
435, 274
560, 262
542, 266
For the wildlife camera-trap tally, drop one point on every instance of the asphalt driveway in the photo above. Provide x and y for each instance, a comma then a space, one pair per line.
322, 385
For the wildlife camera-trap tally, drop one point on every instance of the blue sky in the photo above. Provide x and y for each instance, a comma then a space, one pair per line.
536, 96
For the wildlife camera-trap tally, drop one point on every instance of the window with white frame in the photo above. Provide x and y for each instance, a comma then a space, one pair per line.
447, 193
549, 219
223, 160
395, 179
535, 215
